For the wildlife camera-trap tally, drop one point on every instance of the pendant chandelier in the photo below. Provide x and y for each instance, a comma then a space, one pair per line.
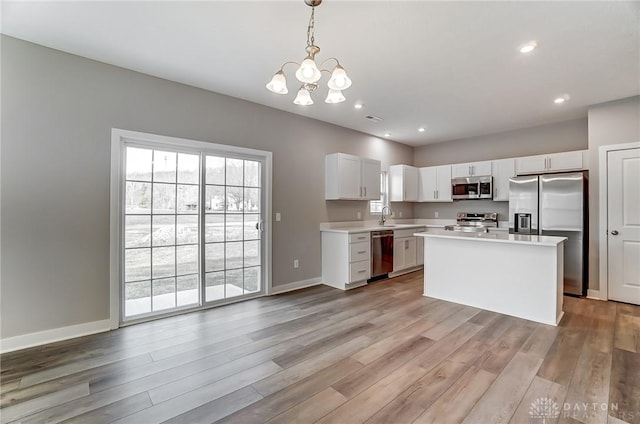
309, 73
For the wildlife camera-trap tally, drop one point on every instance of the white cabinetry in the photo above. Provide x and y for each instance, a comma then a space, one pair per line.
404, 249
350, 177
420, 247
567, 161
501, 171
403, 183
434, 184
346, 259
461, 170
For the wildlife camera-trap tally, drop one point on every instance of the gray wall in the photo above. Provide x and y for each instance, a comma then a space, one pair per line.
558, 137
614, 122
57, 114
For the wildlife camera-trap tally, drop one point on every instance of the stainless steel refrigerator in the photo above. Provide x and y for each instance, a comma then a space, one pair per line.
555, 205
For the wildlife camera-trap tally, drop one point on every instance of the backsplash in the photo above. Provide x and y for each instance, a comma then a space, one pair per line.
450, 209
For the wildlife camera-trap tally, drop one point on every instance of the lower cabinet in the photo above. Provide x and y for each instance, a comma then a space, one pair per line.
346, 259
407, 249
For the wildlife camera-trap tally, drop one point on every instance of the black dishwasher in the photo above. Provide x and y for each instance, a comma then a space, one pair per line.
381, 253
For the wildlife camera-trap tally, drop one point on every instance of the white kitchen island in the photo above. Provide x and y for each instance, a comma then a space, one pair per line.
511, 274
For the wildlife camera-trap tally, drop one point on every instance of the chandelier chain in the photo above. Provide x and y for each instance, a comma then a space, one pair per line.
311, 28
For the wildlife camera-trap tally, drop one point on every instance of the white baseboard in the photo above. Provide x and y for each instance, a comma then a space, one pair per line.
594, 294
296, 285
24, 341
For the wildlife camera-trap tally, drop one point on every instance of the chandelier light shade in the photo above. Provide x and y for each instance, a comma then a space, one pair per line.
308, 72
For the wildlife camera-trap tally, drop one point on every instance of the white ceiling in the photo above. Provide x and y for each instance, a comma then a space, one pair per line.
452, 67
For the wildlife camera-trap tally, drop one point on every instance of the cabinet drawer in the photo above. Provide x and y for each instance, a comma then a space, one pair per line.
359, 271
359, 251
404, 233
357, 237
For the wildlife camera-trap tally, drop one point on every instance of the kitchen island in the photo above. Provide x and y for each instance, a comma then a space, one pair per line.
518, 275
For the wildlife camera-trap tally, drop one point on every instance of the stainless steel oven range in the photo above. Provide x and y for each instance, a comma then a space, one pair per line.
474, 222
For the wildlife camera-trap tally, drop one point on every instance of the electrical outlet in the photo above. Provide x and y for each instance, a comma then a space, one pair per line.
400, 214
359, 215
278, 216
436, 214
296, 263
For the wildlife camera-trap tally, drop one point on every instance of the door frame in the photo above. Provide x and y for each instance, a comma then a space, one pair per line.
118, 138
603, 195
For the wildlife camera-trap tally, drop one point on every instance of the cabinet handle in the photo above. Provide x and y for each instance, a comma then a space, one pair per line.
437, 194
362, 271
360, 253
365, 192
548, 163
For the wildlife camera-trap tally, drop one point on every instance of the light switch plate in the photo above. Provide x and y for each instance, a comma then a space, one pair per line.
436, 214
359, 215
278, 216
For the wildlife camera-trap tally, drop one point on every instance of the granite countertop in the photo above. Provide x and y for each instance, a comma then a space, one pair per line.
497, 237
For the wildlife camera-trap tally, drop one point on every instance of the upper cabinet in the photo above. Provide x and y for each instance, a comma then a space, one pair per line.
349, 177
461, 170
501, 171
434, 184
567, 161
403, 183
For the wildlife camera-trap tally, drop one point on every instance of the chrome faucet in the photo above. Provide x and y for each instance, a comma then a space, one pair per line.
383, 219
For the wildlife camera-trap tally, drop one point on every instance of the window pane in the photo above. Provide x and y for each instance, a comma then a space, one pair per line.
214, 257
138, 164
214, 199
251, 253
233, 228
252, 200
187, 229
215, 170
138, 197
214, 228
251, 173
250, 230
188, 290
137, 298
214, 286
188, 168
164, 293
187, 199
187, 262
164, 230
234, 283
164, 198
235, 174
164, 262
233, 253
137, 264
252, 279
234, 199
137, 231
164, 167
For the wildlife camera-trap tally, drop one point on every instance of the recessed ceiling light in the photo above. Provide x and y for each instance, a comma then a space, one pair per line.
358, 106
561, 99
529, 47
387, 134
421, 129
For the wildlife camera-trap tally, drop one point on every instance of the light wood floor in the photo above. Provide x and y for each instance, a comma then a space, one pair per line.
377, 354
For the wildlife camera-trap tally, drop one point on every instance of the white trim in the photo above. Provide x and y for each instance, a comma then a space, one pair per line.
118, 138
594, 294
603, 152
24, 341
405, 271
296, 285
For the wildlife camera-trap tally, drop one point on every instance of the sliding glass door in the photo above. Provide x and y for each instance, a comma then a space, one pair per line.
192, 233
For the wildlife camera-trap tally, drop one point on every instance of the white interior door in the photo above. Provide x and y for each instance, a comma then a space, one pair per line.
623, 235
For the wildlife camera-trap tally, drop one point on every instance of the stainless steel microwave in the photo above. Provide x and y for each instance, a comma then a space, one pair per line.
472, 188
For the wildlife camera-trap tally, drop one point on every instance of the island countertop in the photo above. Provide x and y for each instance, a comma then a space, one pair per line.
497, 237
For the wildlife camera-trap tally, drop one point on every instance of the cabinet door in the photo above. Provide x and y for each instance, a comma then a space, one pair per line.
460, 170
410, 184
427, 183
420, 249
481, 168
501, 172
371, 179
398, 254
443, 187
349, 174
531, 164
410, 259
564, 161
